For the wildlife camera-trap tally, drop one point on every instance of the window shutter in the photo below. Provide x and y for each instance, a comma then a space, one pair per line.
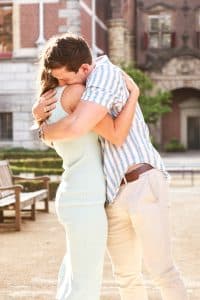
145, 41
198, 39
173, 39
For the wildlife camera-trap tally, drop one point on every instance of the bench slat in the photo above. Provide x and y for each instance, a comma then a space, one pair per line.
18, 200
24, 197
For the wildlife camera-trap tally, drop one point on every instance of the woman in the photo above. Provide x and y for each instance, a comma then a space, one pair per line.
81, 194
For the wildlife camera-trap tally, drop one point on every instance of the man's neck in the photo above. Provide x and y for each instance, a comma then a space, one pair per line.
91, 68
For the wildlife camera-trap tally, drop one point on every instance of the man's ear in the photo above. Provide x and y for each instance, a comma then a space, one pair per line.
85, 68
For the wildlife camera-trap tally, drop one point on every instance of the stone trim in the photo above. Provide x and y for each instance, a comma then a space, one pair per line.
72, 15
156, 59
34, 1
116, 37
162, 4
179, 72
25, 52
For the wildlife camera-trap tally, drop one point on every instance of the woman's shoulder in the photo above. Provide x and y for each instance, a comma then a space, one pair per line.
71, 95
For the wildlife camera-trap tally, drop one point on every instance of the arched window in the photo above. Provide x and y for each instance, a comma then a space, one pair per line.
5, 29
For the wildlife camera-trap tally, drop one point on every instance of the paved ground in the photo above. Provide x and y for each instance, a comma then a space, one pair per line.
29, 259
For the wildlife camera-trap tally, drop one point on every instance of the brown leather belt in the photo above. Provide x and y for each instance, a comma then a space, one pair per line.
134, 174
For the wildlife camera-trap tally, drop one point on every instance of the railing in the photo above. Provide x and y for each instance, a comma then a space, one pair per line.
184, 170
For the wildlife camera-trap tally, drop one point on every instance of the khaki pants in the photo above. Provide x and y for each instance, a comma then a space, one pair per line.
139, 229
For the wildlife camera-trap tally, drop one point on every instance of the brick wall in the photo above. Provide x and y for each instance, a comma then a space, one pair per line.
29, 28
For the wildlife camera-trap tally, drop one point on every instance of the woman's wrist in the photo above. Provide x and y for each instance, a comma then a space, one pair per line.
41, 131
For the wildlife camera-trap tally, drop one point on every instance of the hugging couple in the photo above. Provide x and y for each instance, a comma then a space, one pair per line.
114, 188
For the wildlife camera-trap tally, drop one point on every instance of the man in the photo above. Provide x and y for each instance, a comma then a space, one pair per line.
137, 189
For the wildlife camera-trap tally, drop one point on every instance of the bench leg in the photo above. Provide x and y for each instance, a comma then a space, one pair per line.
18, 218
33, 212
1, 216
46, 205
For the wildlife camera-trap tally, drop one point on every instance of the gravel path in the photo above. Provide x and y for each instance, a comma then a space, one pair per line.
29, 260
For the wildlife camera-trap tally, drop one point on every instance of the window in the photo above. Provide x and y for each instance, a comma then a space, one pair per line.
198, 30
5, 29
6, 126
160, 31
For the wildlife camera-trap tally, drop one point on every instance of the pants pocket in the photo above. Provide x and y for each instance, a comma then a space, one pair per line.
158, 186
149, 194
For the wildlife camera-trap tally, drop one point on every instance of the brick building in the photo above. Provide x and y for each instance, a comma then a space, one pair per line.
168, 48
162, 37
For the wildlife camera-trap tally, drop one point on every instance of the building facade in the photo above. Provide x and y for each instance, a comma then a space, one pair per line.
165, 43
25, 26
161, 37
170, 52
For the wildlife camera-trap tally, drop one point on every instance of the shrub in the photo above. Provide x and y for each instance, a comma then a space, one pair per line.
174, 146
154, 103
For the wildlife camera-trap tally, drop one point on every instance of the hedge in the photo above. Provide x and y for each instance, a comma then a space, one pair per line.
37, 171
21, 153
30, 186
48, 163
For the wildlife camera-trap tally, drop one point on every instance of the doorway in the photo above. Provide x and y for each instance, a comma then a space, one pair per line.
193, 133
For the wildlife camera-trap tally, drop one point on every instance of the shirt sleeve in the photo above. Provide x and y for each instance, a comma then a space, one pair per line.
102, 86
99, 95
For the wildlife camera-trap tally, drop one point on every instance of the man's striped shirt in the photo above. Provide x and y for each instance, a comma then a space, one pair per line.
106, 86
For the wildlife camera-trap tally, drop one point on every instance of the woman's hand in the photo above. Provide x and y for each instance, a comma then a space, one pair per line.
131, 85
42, 108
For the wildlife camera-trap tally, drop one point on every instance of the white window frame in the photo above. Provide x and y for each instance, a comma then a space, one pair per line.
160, 32
7, 138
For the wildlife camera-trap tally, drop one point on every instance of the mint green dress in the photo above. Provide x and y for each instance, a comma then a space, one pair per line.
83, 179
80, 209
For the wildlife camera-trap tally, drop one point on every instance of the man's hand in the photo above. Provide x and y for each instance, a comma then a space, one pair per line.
42, 109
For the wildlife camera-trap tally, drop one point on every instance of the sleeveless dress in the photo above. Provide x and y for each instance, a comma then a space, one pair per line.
80, 209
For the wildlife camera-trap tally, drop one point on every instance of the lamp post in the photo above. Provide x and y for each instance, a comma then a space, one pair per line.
41, 39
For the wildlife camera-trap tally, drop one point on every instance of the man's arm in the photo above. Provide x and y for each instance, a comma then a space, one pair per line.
82, 120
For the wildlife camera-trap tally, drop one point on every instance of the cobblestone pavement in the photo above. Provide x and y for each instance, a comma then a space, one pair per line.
29, 260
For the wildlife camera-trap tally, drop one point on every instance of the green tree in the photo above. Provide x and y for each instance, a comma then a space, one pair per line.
154, 103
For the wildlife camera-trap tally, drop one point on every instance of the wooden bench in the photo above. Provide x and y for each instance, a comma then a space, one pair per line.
12, 197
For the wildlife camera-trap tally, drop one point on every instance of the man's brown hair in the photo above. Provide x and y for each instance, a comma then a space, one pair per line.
67, 50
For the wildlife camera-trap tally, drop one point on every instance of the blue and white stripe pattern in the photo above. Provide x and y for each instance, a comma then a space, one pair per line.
105, 86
